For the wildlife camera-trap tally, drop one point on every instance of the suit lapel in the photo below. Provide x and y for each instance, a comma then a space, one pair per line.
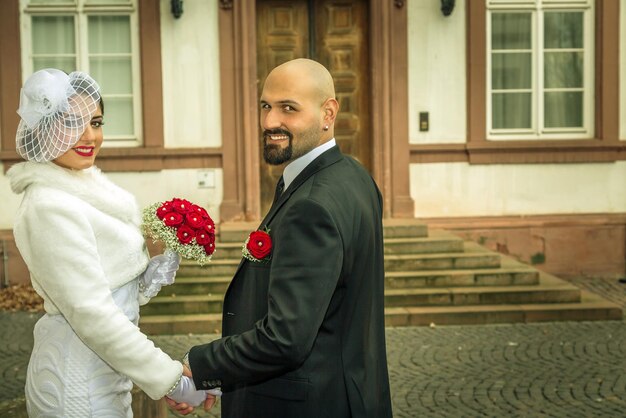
324, 160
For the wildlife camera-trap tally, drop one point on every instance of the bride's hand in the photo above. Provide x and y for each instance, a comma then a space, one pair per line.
185, 392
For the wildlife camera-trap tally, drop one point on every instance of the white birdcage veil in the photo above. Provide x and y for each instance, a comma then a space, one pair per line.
55, 109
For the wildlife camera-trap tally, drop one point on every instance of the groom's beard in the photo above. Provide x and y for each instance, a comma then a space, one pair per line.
274, 154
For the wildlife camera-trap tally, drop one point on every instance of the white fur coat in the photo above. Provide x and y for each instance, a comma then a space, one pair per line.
79, 236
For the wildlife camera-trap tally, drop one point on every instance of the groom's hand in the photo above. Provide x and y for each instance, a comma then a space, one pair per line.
210, 401
182, 408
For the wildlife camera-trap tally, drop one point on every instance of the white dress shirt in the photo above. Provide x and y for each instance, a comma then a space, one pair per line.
295, 167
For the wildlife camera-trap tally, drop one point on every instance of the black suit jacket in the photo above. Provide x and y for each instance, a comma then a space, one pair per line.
303, 333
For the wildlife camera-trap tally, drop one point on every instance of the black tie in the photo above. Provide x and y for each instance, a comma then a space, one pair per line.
279, 188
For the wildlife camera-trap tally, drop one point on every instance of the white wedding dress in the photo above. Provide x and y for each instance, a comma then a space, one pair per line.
66, 378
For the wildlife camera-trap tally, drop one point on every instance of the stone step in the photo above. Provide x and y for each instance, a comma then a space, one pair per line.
181, 324
183, 304
437, 242
404, 228
510, 273
472, 257
227, 250
473, 277
486, 295
216, 267
197, 286
590, 308
235, 232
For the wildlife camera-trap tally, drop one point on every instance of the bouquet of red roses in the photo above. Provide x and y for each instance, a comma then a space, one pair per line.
184, 228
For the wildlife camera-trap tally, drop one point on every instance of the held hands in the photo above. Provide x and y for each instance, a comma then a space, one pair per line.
161, 271
185, 406
185, 392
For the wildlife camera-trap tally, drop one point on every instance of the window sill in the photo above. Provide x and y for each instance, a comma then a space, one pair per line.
521, 152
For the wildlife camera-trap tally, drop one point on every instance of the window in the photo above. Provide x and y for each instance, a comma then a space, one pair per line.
99, 37
540, 69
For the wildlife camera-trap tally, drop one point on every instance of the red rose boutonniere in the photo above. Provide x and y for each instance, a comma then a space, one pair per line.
258, 246
184, 227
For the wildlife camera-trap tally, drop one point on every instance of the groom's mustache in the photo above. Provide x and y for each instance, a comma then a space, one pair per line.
268, 132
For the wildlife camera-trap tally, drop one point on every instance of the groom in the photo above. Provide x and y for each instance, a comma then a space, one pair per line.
303, 327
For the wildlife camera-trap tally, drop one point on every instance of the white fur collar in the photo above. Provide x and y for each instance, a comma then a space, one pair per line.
89, 185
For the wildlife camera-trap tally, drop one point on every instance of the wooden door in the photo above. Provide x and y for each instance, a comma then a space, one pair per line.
333, 32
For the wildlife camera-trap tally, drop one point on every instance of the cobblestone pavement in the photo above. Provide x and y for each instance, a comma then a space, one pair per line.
558, 369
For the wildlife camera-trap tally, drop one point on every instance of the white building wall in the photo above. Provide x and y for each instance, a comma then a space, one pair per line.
150, 187
437, 72
461, 189
191, 75
622, 66
437, 84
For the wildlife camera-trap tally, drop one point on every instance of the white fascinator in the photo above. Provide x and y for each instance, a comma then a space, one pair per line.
55, 108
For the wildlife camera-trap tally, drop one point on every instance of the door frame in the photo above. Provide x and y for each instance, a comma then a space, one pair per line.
239, 108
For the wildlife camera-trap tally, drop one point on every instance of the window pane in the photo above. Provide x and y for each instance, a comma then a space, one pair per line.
563, 69
563, 30
109, 34
118, 115
563, 109
52, 1
53, 35
511, 111
65, 64
113, 74
510, 31
116, 2
511, 71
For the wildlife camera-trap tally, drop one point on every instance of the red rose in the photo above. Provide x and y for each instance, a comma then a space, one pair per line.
173, 219
259, 244
200, 211
210, 226
210, 247
185, 234
204, 238
181, 205
195, 220
163, 210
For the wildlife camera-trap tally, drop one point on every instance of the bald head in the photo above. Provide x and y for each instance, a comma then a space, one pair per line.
298, 110
305, 77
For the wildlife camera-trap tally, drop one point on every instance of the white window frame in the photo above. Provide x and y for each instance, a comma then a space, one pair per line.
81, 12
537, 130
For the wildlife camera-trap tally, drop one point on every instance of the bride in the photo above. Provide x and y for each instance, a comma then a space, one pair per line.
79, 236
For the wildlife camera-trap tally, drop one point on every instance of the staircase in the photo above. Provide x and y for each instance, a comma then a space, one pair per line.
431, 277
